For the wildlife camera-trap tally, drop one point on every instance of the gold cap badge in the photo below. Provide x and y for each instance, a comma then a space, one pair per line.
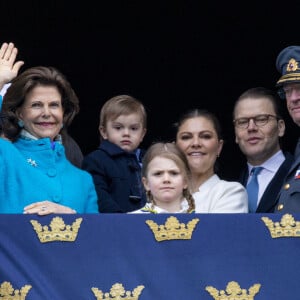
292, 65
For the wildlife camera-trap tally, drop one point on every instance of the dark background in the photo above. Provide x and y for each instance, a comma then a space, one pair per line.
172, 56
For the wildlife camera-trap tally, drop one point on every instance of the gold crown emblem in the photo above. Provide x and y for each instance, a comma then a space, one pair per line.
118, 292
59, 230
172, 230
8, 293
234, 292
292, 65
287, 227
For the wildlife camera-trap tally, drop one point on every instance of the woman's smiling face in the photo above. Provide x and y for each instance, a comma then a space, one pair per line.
42, 112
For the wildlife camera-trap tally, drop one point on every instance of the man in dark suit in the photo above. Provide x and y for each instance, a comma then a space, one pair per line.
287, 63
258, 128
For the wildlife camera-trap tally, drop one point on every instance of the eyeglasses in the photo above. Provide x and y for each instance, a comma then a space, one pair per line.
288, 90
259, 121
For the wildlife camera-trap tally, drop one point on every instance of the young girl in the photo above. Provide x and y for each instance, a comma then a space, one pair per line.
166, 177
115, 165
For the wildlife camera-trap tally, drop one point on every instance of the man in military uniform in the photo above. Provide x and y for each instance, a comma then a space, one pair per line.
288, 64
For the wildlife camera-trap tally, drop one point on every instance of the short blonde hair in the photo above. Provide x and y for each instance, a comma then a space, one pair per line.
121, 105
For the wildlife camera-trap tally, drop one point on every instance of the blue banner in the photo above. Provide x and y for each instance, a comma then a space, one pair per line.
116, 252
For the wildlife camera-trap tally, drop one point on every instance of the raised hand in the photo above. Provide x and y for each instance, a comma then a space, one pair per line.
9, 68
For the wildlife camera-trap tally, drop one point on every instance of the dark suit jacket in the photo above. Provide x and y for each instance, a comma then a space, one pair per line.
269, 198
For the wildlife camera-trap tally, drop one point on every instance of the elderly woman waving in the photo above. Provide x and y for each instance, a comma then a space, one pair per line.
37, 178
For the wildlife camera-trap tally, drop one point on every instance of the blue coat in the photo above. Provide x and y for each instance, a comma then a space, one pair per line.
31, 171
289, 196
269, 198
116, 176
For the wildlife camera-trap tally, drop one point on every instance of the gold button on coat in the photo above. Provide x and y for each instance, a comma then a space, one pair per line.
286, 186
280, 207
